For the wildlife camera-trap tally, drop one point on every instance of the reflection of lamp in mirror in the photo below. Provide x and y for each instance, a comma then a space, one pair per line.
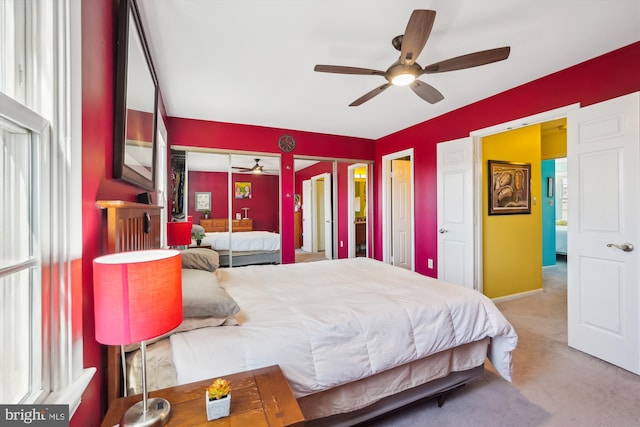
246, 216
179, 233
137, 297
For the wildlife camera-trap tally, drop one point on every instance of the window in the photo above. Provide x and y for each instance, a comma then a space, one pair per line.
40, 128
22, 138
561, 191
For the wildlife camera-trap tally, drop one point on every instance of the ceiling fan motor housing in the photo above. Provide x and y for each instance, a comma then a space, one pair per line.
398, 69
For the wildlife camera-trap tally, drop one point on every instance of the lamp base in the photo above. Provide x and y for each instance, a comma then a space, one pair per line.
157, 414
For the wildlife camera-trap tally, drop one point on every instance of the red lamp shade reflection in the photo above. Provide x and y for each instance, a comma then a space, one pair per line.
178, 233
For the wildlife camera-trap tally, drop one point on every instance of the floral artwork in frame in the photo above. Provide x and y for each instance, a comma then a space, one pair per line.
509, 188
203, 201
242, 190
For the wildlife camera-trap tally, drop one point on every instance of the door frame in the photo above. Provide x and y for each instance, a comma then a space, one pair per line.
307, 209
477, 135
386, 203
314, 217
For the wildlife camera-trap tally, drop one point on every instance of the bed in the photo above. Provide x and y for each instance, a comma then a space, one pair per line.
355, 338
245, 247
561, 239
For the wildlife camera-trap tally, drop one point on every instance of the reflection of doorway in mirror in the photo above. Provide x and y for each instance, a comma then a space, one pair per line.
357, 233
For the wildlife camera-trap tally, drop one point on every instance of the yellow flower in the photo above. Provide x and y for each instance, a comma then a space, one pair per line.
218, 389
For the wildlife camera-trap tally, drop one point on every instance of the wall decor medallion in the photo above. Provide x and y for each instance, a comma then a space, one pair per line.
286, 143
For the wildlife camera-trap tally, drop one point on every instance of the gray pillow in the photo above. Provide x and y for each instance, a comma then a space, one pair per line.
202, 296
200, 259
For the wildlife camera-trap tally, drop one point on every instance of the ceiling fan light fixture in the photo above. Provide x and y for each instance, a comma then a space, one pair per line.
403, 79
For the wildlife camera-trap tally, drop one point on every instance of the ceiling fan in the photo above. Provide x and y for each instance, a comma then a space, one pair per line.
405, 71
257, 168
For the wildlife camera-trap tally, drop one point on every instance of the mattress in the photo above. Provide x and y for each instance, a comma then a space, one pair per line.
331, 324
243, 241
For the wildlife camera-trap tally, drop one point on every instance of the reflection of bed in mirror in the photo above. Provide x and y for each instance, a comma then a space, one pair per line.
245, 246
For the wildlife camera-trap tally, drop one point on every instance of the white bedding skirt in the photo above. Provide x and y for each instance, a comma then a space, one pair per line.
243, 241
346, 398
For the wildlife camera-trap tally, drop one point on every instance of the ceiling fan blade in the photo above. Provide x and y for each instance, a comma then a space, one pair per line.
469, 60
416, 35
367, 96
426, 91
339, 69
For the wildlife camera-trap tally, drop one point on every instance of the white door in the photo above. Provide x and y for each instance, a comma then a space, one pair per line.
328, 218
401, 208
603, 280
455, 212
307, 206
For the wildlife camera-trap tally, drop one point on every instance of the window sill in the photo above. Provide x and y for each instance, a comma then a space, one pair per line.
72, 394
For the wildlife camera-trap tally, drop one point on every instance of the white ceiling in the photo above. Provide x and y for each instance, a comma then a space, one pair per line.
207, 161
251, 61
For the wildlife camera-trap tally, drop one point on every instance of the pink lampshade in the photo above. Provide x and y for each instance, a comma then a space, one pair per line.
137, 295
179, 233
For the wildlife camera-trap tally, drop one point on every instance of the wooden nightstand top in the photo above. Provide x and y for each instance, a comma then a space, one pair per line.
259, 398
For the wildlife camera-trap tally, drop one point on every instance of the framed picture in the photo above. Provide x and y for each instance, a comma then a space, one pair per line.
242, 190
509, 188
203, 201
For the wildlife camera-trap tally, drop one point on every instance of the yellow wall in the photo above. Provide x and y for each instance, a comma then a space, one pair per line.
554, 139
512, 244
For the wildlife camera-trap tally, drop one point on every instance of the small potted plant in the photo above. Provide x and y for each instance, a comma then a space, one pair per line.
197, 235
218, 399
206, 214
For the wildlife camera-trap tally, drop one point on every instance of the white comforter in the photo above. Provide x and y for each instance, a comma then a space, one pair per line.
332, 322
243, 241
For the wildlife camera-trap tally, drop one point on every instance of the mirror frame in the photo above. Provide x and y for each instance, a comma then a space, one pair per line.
121, 170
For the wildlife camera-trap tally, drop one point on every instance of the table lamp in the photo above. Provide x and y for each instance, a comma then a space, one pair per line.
179, 233
138, 296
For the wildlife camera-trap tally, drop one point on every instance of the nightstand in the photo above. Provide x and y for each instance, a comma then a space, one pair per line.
259, 398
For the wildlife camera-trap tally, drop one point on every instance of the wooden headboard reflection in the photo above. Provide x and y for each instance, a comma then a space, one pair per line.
126, 226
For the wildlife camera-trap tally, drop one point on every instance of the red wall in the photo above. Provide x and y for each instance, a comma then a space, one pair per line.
97, 182
599, 79
263, 204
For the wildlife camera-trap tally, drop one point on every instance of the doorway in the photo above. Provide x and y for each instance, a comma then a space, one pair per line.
480, 189
357, 207
397, 216
317, 215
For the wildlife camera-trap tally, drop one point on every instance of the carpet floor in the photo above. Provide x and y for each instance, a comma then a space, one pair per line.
553, 384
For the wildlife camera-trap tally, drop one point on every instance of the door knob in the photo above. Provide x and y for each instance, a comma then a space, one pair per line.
442, 231
626, 247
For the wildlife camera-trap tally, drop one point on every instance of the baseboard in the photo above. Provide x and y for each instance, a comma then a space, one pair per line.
516, 296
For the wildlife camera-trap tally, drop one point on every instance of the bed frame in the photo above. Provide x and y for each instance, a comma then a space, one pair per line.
242, 258
126, 226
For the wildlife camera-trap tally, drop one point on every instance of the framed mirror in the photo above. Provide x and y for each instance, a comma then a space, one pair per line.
136, 99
